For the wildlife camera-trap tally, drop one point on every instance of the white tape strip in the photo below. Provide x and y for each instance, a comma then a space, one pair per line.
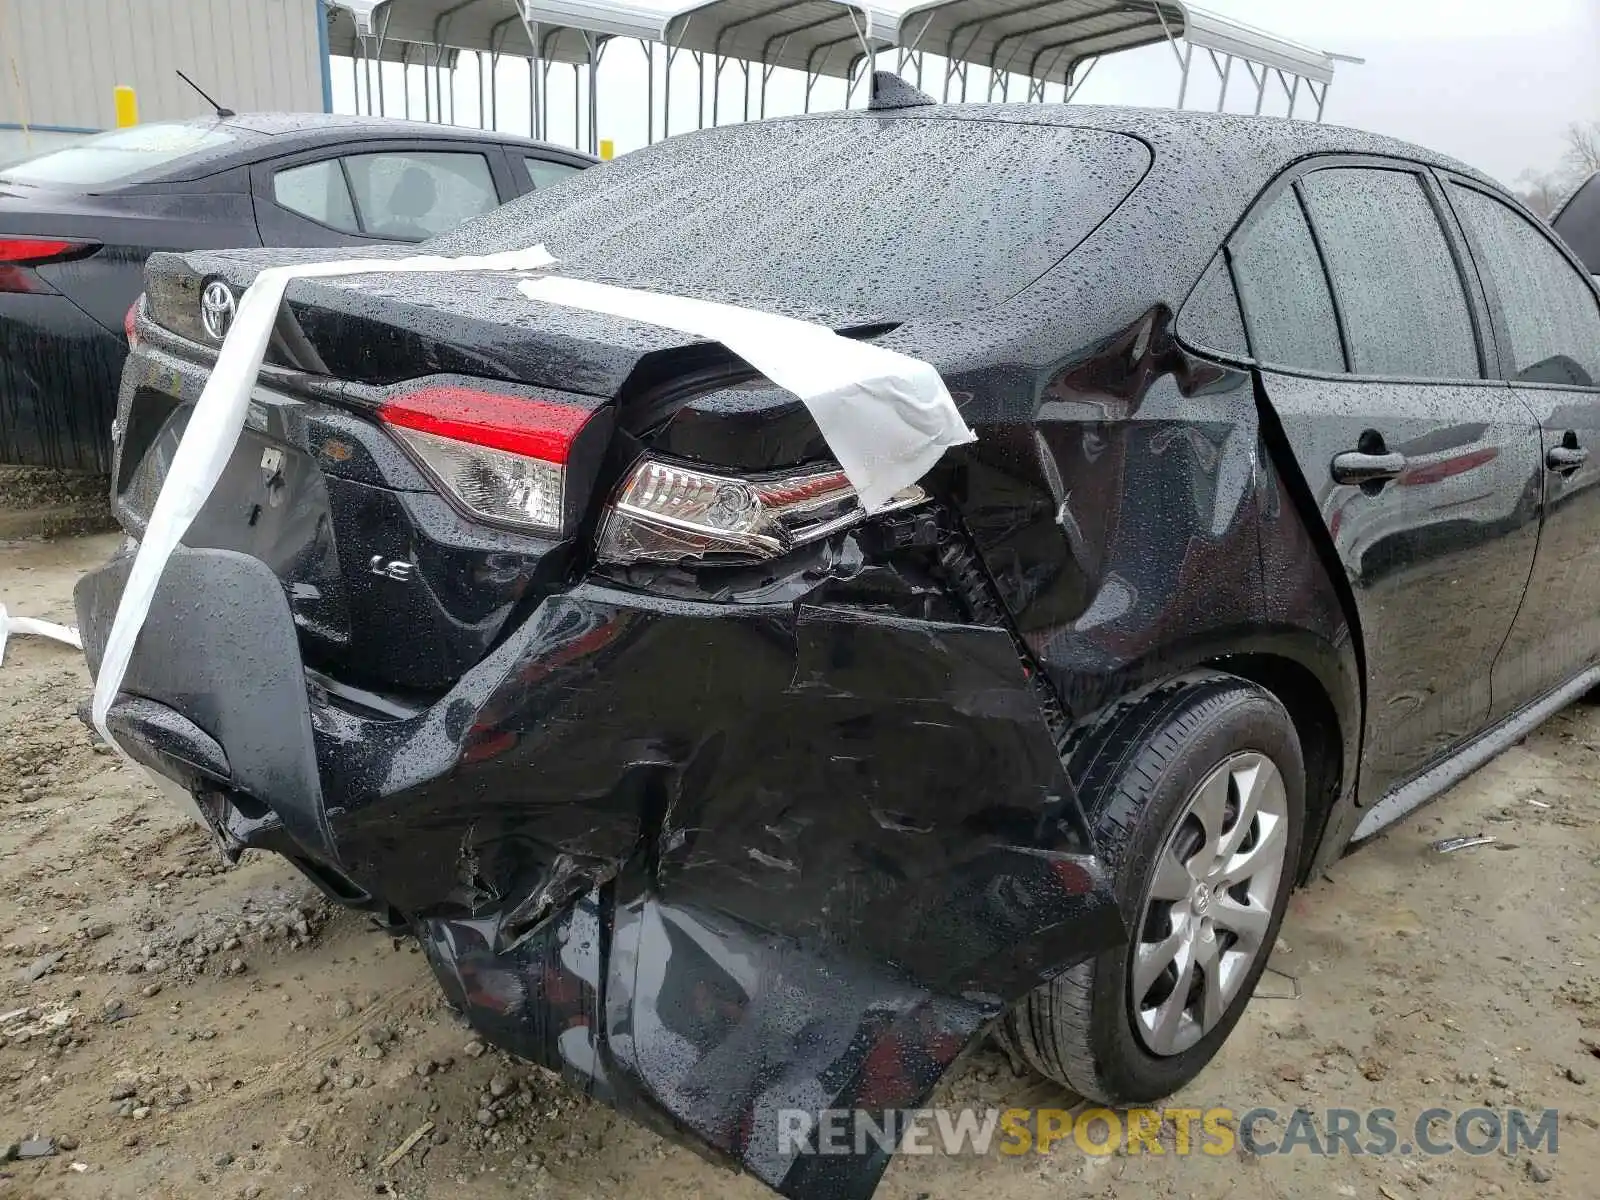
887, 417
49, 629
214, 430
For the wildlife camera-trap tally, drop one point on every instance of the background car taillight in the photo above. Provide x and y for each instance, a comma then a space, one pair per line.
19, 257
508, 458
130, 322
669, 512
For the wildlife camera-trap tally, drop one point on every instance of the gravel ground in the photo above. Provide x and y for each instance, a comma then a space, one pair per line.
172, 1026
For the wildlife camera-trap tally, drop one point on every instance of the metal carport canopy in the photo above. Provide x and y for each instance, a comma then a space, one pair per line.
1046, 40
818, 37
495, 26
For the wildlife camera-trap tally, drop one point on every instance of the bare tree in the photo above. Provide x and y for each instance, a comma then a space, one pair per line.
1583, 148
1542, 191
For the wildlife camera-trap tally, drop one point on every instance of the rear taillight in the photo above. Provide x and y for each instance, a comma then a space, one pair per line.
669, 512
502, 457
130, 323
18, 257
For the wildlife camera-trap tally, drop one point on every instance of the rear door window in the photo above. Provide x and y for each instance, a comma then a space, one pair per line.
411, 195
1288, 309
545, 172
317, 190
1396, 281
1551, 316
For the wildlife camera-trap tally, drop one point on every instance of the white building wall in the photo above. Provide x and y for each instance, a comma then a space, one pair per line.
60, 59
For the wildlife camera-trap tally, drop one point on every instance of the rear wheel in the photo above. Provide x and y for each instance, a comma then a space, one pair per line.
1196, 792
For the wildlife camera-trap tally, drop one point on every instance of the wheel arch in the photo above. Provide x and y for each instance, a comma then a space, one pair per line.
1327, 739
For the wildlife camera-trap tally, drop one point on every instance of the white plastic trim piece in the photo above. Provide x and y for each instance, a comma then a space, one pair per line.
887, 417
48, 629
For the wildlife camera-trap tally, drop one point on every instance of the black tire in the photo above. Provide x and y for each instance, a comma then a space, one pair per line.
1136, 770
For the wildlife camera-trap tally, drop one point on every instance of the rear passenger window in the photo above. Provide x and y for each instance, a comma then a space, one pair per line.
414, 195
1287, 308
1405, 310
1551, 315
317, 190
547, 173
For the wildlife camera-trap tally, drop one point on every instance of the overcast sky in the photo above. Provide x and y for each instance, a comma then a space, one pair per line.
1492, 82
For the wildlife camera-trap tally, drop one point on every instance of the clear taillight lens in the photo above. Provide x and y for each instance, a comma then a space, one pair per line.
503, 458
667, 512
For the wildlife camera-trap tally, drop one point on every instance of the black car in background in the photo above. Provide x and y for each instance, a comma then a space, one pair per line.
78, 222
560, 639
1579, 223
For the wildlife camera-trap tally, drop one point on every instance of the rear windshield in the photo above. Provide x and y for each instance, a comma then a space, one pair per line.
115, 157
893, 218
1579, 223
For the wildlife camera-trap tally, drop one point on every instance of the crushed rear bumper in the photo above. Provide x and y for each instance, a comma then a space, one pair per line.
712, 861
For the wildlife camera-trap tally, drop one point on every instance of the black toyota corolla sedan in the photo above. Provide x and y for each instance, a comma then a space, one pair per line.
78, 222
561, 641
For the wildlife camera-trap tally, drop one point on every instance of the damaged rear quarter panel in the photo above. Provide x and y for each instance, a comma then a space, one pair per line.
718, 859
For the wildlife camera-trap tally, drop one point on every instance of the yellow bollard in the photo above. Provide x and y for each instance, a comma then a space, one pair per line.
127, 105
607, 149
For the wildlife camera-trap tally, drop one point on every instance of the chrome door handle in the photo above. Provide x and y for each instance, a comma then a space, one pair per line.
1565, 458
1357, 467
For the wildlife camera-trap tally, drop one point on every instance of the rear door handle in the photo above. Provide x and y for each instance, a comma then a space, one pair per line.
1357, 467
1565, 458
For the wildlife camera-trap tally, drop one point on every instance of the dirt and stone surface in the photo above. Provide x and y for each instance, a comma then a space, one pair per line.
173, 1026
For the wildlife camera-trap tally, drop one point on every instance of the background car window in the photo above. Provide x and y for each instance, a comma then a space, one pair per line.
545, 173
1287, 307
1210, 318
1578, 223
317, 190
1551, 315
1405, 310
416, 195
118, 156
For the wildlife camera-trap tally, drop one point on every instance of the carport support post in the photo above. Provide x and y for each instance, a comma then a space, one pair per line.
596, 44
1227, 69
383, 36
1183, 84
649, 48
478, 57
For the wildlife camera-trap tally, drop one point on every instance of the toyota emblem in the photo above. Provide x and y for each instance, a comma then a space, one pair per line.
216, 309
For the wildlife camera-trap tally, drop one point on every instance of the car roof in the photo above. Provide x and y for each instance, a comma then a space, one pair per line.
297, 124
1239, 139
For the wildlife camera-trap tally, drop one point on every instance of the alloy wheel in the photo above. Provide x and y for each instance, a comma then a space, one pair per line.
1211, 901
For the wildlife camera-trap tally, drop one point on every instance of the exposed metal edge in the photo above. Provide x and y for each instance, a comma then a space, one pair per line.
1412, 796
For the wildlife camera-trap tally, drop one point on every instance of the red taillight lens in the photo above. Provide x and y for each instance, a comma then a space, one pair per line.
19, 251
19, 255
130, 323
502, 457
